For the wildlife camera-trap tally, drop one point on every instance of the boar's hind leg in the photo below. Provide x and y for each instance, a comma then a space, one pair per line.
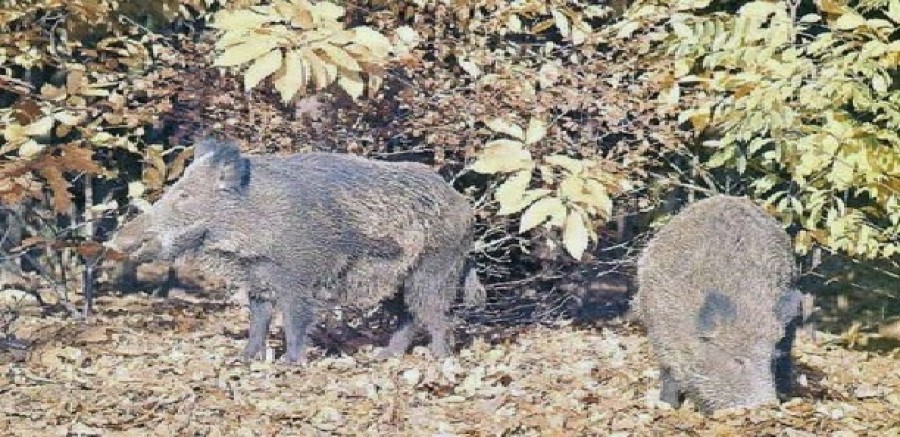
298, 315
406, 328
670, 392
429, 291
260, 318
400, 340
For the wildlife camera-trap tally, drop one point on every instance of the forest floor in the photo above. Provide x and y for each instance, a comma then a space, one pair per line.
151, 366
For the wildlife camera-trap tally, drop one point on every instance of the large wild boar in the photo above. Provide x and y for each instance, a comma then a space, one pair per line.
301, 232
715, 291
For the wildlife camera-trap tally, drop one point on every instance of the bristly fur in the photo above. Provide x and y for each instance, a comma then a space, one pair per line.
715, 293
303, 231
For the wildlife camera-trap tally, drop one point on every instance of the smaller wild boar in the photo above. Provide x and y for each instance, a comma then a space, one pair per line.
301, 232
716, 294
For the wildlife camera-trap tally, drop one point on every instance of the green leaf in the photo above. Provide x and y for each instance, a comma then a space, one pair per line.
721, 157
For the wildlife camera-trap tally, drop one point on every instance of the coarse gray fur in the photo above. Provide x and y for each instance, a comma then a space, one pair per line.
716, 294
301, 232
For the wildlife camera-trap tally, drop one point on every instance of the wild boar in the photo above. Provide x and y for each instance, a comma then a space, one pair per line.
301, 232
716, 294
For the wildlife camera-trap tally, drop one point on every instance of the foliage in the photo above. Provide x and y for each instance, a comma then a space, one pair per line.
580, 200
299, 44
73, 118
803, 108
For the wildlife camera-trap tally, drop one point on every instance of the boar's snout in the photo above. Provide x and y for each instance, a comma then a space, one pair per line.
136, 241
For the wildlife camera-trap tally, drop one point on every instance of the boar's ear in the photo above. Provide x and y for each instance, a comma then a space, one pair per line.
206, 146
234, 169
789, 306
717, 311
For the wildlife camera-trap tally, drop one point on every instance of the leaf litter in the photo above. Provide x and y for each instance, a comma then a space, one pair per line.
146, 367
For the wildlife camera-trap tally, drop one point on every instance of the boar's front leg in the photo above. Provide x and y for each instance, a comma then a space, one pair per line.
260, 319
298, 315
401, 339
670, 392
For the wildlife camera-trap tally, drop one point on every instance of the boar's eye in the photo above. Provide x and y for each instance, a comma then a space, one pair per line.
740, 361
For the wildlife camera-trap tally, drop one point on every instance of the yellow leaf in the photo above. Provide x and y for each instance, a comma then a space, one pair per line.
323, 73
40, 128
580, 34
510, 193
562, 23
506, 127
30, 148
341, 38
51, 92
340, 57
136, 189
239, 19
849, 21
377, 43
546, 208
375, 81
470, 67
262, 68
327, 11
571, 165
361, 54
503, 156
686, 5
758, 9
893, 11
572, 188
880, 83
15, 133
627, 29
69, 118
537, 129
528, 197
407, 35
720, 157
542, 26
575, 235
296, 12
294, 78
599, 197
841, 175
245, 52
352, 83
514, 24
